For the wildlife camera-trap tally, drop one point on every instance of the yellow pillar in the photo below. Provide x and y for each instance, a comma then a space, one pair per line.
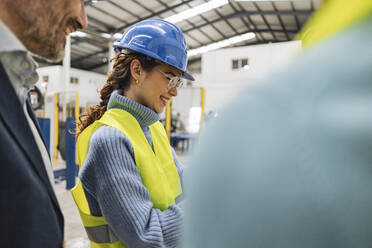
77, 114
43, 112
56, 120
168, 120
77, 108
202, 104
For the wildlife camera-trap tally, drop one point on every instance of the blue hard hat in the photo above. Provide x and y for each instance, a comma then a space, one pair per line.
159, 40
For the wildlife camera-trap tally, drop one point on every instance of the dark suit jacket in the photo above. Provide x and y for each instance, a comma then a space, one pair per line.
30, 214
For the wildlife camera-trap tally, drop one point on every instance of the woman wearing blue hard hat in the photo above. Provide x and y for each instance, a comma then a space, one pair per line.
130, 177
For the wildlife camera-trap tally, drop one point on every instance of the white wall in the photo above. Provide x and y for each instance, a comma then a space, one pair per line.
187, 98
88, 86
89, 83
221, 83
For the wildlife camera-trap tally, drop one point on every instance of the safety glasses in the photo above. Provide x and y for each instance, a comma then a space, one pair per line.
173, 82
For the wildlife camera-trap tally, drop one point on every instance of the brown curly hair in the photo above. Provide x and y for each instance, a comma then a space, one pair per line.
119, 78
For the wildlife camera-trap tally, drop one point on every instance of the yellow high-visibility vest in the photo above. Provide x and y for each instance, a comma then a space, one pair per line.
155, 166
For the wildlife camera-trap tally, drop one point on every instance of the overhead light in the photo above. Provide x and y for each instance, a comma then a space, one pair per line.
196, 10
190, 12
89, 2
118, 35
110, 36
220, 44
106, 35
78, 34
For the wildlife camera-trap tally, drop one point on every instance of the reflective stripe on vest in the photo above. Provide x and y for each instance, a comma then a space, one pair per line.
101, 234
156, 168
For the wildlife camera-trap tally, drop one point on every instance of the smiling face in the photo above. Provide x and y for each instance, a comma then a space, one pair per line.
42, 25
152, 87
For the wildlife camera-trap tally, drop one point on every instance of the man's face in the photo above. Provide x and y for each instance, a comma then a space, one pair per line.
44, 25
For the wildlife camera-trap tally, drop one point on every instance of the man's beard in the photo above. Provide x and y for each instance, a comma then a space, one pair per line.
43, 45
50, 59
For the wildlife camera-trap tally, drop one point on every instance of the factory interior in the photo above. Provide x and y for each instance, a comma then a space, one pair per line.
232, 45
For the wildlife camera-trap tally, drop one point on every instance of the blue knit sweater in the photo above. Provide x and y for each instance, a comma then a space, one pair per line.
114, 188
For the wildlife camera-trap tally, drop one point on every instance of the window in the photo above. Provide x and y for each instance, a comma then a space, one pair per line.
244, 62
240, 64
235, 64
74, 80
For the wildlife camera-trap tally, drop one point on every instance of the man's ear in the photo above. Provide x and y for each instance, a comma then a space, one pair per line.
135, 69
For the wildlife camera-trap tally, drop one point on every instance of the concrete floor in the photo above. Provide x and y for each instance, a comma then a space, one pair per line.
75, 235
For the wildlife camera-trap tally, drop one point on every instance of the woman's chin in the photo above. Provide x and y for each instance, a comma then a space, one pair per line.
159, 110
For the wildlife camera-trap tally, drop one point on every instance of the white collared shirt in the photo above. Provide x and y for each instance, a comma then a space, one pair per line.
21, 70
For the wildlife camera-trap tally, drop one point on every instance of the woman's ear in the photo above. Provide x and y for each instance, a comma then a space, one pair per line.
135, 69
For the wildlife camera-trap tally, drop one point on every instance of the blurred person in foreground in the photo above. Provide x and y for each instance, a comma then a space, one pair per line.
30, 214
289, 164
130, 178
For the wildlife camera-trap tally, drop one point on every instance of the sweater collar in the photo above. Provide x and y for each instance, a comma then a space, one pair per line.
143, 115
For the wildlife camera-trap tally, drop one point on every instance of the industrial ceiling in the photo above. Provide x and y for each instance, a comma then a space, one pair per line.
270, 21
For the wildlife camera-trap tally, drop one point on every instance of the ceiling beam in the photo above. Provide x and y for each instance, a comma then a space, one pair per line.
234, 15
296, 17
193, 25
170, 8
275, 12
251, 23
89, 56
250, 13
263, 30
281, 21
123, 9
108, 14
198, 57
101, 23
94, 42
95, 66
